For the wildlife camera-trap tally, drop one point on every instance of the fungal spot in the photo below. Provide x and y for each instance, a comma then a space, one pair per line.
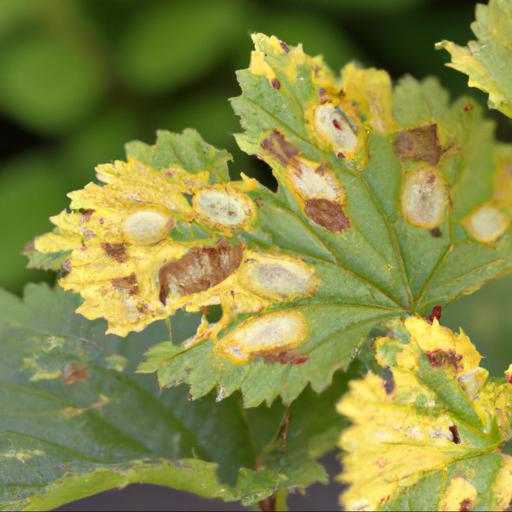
285, 358
419, 144
336, 128
468, 107
259, 202
277, 277
436, 233
455, 433
276, 84
424, 198
116, 251
389, 382
284, 46
74, 372
436, 313
327, 214
199, 269
316, 182
438, 358
487, 223
269, 334
147, 227
223, 206
127, 284
279, 148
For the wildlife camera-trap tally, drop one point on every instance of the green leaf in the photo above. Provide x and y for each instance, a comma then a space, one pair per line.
488, 60
430, 434
76, 420
390, 201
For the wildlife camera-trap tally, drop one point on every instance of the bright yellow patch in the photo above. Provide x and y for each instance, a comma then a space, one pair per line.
372, 91
459, 495
403, 430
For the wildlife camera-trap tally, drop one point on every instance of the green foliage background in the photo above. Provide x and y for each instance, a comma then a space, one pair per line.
79, 78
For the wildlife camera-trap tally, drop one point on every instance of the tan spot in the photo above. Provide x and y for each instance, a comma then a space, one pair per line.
227, 207
327, 214
279, 148
276, 277
487, 223
334, 127
311, 182
459, 495
419, 144
147, 227
267, 334
199, 269
424, 198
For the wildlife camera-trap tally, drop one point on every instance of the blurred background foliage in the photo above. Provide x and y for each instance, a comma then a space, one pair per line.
79, 78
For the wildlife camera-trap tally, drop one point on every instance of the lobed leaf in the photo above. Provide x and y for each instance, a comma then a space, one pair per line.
488, 60
429, 433
390, 201
76, 420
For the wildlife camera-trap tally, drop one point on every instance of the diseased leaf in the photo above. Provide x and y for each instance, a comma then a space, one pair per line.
76, 420
488, 60
390, 201
428, 435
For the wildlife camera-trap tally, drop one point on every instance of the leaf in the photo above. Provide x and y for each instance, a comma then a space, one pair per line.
76, 420
488, 60
389, 202
429, 434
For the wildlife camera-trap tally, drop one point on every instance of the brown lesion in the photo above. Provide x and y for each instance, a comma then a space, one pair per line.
285, 358
326, 213
439, 358
74, 372
279, 148
420, 143
199, 269
116, 251
128, 284
466, 505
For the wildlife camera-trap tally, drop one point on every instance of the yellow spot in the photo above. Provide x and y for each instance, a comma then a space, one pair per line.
259, 65
424, 198
334, 127
459, 495
487, 223
371, 90
223, 205
312, 181
270, 333
22, 456
276, 277
147, 227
